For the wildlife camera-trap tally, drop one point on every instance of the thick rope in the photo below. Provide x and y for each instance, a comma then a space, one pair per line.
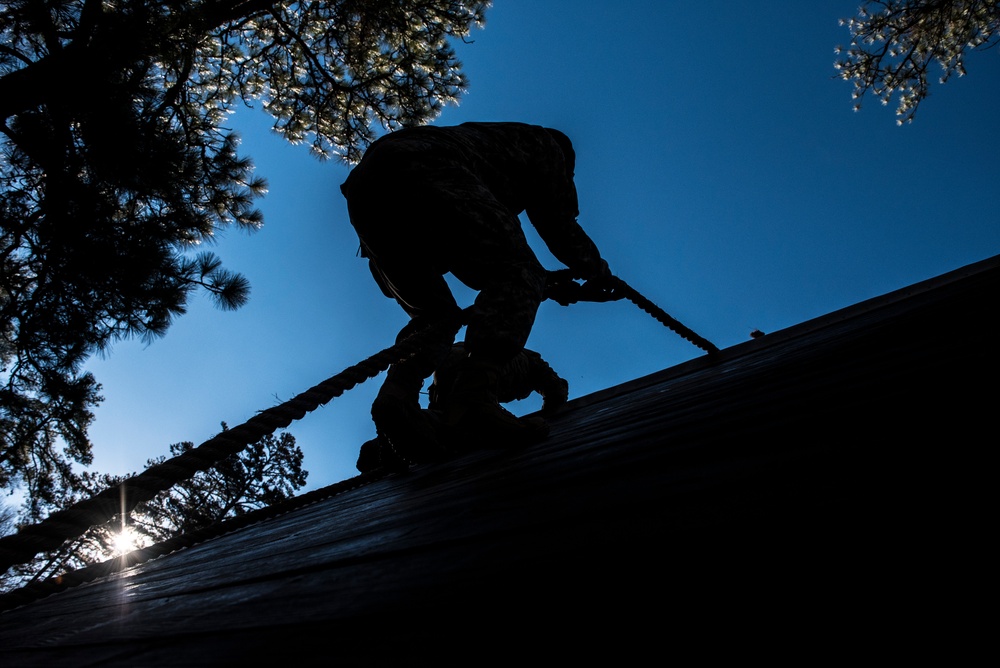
75, 520
663, 317
562, 287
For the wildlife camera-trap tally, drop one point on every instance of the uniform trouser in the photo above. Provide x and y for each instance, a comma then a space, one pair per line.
499, 321
423, 230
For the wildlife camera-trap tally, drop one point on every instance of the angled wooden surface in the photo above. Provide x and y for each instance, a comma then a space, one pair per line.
762, 492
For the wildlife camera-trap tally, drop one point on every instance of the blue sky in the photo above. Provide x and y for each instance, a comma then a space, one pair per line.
721, 170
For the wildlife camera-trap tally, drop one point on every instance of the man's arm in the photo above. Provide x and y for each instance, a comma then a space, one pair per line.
553, 210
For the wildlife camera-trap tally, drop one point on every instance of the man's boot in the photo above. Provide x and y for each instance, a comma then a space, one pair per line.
475, 417
377, 454
403, 426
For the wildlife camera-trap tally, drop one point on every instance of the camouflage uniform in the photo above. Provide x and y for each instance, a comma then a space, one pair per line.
429, 200
524, 374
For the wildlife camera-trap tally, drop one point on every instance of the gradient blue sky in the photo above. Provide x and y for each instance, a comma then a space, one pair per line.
721, 170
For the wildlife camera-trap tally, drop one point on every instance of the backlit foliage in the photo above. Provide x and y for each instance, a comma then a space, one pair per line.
895, 45
116, 168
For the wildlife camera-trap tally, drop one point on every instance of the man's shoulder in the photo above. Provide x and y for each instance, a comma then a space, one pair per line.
509, 128
512, 130
517, 135
481, 145
513, 126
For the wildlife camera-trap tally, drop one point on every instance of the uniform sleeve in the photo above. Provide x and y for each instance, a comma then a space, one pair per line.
553, 210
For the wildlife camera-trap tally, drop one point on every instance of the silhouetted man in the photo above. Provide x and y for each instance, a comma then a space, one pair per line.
427, 201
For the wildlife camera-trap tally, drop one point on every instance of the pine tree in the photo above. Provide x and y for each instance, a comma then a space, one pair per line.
895, 42
264, 474
116, 165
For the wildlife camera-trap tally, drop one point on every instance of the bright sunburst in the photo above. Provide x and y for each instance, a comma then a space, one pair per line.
125, 541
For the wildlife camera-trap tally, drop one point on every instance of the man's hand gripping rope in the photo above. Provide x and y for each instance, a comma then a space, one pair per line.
562, 287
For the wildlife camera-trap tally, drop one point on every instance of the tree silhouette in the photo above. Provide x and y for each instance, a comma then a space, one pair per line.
267, 472
116, 166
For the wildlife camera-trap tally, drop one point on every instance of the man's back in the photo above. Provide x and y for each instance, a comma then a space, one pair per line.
522, 165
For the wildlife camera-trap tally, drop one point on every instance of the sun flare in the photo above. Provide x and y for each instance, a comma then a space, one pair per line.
125, 541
